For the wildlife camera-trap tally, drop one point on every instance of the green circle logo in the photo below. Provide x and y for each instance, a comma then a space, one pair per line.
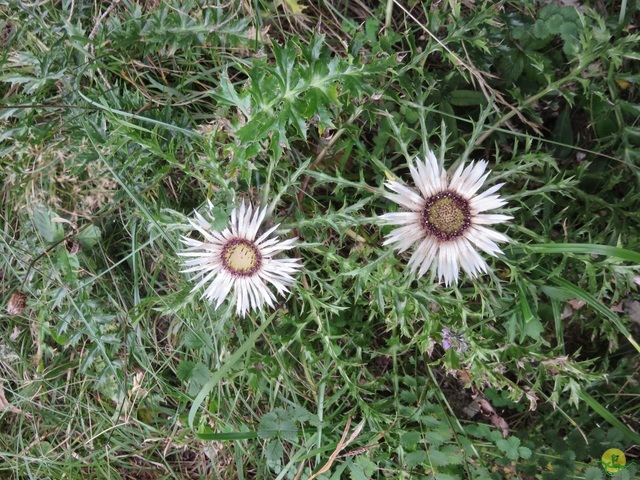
613, 460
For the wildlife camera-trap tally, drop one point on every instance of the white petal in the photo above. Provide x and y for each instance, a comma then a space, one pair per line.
448, 268
424, 256
433, 178
401, 218
470, 261
404, 197
486, 219
471, 180
486, 203
250, 292
485, 239
404, 237
258, 217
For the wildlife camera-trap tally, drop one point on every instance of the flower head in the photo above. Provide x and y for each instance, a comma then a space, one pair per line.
446, 219
235, 260
455, 340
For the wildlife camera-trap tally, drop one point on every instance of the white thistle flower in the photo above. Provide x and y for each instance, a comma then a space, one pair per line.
446, 220
234, 260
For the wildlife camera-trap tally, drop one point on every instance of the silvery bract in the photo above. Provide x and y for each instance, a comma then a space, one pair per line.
446, 220
234, 260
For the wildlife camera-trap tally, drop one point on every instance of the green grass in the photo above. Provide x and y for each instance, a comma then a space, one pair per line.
118, 120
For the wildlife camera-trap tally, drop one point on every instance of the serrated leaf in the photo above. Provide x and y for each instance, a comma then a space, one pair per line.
430, 421
453, 453
553, 24
278, 424
408, 397
298, 413
192, 340
509, 446
68, 264
185, 369
226, 95
410, 439
256, 129
293, 7
367, 466
413, 459
89, 236
524, 452
48, 230
435, 438
200, 375
511, 65
446, 476
481, 430
273, 452
593, 473
628, 474
438, 458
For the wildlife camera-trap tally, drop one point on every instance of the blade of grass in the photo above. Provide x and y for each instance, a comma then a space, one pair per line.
609, 417
224, 436
593, 302
606, 250
219, 375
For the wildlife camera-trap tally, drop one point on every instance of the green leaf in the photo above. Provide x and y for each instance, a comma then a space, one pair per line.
453, 453
49, 231
467, 98
593, 473
434, 438
609, 417
449, 119
371, 28
68, 264
278, 424
524, 452
298, 413
532, 327
616, 252
193, 341
227, 436
293, 7
274, 452
511, 65
222, 371
438, 458
89, 236
200, 374
444, 476
451, 359
413, 459
563, 133
509, 446
553, 24
185, 369
367, 466
410, 439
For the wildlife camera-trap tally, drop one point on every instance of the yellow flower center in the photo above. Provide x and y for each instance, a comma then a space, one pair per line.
446, 215
241, 257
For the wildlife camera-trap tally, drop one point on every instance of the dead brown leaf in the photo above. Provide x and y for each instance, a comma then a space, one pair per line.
500, 423
4, 404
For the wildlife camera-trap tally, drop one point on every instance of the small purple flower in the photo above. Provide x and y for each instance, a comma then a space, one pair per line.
452, 339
